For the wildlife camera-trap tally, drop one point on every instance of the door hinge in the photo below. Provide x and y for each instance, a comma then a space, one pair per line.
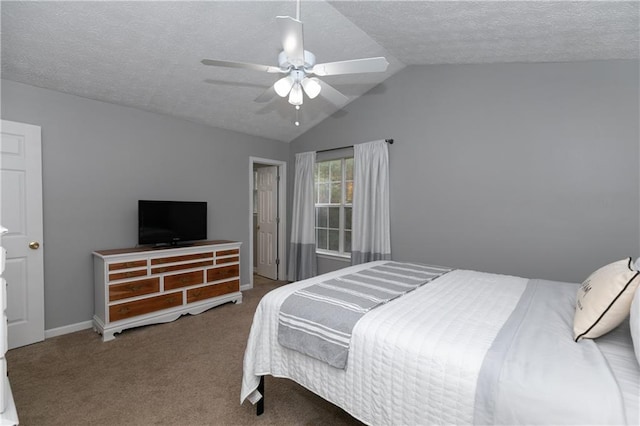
278, 220
277, 261
278, 178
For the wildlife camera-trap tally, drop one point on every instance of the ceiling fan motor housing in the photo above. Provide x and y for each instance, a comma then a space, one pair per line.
309, 61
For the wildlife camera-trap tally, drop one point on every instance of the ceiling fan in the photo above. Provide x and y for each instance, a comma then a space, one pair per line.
301, 68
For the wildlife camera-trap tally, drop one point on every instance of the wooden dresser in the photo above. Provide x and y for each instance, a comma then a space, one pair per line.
142, 286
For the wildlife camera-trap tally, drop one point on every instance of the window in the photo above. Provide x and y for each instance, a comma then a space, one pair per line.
334, 198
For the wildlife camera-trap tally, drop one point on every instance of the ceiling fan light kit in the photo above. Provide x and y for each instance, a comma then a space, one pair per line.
295, 96
311, 86
283, 86
298, 64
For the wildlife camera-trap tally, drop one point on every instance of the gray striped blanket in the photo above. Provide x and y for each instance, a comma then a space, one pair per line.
318, 320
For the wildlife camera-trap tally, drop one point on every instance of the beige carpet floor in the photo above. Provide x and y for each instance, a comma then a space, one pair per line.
186, 372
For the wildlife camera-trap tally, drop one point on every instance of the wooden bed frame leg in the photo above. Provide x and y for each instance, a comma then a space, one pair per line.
260, 404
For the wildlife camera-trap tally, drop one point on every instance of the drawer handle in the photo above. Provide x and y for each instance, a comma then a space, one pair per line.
123, 310
184, 280
197, 293
134, 288
171, 300
130, 264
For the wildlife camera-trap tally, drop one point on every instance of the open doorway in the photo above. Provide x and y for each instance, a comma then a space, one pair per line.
267, 245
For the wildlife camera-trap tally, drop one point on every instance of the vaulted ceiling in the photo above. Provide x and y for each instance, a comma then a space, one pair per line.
147, 54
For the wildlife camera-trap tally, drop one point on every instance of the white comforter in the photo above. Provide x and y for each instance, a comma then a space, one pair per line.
415, 360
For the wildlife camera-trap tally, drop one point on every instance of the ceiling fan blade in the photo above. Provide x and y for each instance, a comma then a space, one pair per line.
266, 96
331, 94
242, 65
354, 66
292, 39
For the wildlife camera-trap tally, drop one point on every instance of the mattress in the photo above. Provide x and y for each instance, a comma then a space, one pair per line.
617, 348
422, 359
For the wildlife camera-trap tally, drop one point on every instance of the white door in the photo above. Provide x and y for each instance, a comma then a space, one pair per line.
267, 187
21, 214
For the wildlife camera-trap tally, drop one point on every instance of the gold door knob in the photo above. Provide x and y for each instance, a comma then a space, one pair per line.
34, 245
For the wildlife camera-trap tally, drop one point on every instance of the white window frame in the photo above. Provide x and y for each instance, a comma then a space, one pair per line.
342, 205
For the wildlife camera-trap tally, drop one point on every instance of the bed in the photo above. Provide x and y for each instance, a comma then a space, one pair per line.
467, 348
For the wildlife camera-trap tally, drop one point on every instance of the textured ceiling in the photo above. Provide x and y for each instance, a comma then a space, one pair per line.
147, 54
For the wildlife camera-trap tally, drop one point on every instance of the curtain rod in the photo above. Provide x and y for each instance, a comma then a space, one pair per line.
389, 141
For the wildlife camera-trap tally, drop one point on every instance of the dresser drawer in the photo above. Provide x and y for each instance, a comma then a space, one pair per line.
3, 290
183, 258
227, 260
193, 265
134, 288
3, 391
144, 306
4, 335
210, 291
183, 280
127, 265
216, 274
129, 274
227, 252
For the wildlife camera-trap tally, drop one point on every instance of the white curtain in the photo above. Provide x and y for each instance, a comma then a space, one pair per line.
302, 251
370, 218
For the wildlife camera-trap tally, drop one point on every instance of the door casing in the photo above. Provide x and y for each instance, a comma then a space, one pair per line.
282, 210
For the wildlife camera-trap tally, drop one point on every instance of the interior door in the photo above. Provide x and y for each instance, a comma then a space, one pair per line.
21, 214
267, 186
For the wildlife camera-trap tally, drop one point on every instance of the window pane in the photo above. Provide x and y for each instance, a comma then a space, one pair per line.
348, 196
323, 171
347, 218
334, 240
336, 170
323, 193
321, 239
334, 217
336, 193
334, 196
348, 165
321, 217
347, 241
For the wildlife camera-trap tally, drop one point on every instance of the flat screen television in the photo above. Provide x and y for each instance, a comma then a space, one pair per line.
171, 222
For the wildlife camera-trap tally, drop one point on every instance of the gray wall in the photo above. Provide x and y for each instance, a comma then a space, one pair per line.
525, 169
100, 158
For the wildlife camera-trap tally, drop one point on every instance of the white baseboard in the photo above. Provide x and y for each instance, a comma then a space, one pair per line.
71, 328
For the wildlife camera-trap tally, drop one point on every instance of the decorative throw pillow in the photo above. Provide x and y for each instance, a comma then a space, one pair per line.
604, 299
634, 322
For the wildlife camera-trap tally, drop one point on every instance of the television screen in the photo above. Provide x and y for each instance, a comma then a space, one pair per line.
171, 222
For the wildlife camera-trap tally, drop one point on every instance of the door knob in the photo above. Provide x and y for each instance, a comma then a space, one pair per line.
34, 245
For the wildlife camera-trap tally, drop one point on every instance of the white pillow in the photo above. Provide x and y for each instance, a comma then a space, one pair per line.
604, 299
634, 322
